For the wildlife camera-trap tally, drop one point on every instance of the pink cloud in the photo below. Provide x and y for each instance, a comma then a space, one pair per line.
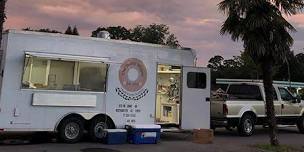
97, 17
195, 22
202, 22
298, 20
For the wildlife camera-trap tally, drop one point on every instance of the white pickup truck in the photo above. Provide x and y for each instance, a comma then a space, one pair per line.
242, 105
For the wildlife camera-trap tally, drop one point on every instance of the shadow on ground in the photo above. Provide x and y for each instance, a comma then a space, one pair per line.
221, 135
221, 132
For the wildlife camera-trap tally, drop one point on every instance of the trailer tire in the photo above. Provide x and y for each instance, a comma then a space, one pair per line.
247, 125
300, 124
97, 126
71, 130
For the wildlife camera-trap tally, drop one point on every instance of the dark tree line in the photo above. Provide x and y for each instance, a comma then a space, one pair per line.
295, 64
46, 30
244, 67
154, 33
68, 31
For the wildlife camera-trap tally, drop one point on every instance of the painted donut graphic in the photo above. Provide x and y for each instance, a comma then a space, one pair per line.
132, 74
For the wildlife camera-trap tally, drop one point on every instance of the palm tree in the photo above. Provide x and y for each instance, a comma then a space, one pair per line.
2, 17
265, 34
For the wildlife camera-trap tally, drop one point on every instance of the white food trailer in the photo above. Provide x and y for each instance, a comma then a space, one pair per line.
68, 84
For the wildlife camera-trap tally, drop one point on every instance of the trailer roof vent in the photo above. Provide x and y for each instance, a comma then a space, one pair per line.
103, 34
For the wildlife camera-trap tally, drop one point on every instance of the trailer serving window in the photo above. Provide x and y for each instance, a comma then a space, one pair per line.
45, 73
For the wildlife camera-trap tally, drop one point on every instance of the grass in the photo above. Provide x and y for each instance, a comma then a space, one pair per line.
281, 148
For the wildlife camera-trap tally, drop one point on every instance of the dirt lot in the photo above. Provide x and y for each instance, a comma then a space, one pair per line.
176, 142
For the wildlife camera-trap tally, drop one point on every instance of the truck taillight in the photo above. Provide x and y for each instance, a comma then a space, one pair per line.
225, 109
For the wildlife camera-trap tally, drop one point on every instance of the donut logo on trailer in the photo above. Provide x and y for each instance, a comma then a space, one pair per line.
132, 77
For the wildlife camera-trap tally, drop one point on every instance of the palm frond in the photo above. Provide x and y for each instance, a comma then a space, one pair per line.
260, 25
233, 26
289, 7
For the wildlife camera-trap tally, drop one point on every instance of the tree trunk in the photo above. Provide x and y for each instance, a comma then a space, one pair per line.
2, 18
267, 67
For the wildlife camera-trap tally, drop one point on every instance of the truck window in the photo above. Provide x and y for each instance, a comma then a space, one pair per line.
285, 95
244, 91
196, 80
51, 74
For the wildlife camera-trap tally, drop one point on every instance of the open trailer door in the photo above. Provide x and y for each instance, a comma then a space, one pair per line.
195, 108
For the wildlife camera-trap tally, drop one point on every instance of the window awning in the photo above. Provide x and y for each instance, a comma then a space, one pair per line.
68, 57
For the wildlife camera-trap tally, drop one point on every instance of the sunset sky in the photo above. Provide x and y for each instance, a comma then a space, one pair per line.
196, 23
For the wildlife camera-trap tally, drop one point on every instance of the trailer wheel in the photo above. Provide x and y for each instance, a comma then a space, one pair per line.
300, 124
71, 130
97, 128
246, 126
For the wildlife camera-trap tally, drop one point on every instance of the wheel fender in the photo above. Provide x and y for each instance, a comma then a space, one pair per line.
246, 109
85, 116
88, 116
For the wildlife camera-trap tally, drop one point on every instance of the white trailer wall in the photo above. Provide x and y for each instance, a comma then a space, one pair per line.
17, 111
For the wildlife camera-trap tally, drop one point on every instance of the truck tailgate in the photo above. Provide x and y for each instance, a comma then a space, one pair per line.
217, 109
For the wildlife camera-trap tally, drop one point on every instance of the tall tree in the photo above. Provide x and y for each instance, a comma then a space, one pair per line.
137, 33
265, 33
2, 18
75, 31
172, 41
69, 31
154, 33
231, 68
216, 66
249, 69
216, 63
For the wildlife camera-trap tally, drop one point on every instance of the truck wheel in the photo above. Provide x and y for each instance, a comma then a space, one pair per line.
71, 130
300, 124
97, 127
246, 126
